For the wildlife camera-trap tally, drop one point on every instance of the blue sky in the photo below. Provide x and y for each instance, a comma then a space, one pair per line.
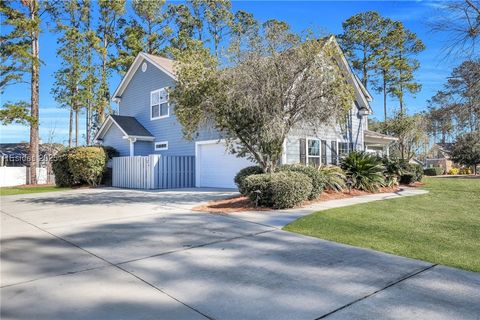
326, 17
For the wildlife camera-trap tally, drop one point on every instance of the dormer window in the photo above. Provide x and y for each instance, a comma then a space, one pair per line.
159, 106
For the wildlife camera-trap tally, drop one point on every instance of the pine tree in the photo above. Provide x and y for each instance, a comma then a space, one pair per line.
405, 46
20, 56
361, 40
89, 81
148, 31
111, 12
383, 61
68, 91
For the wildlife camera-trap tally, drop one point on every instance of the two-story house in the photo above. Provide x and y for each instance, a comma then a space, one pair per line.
146, 124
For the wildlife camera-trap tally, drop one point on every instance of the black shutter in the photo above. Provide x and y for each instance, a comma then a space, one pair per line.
303, 151
324, 152
334, 152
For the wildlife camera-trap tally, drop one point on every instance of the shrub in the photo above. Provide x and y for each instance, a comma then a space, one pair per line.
245, 172
111, 152
364, 170
87, 164
465, 170
333, 178
278, 190
418, 172
61, 169
454, 171
433, 171
407, 178
393, 171
312, 172
415, 170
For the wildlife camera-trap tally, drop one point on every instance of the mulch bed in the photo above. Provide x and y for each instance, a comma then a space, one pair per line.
242, 203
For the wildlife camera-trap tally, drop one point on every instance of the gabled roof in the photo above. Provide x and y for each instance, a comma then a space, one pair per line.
163, 64
129, 126
167, 65
365, 97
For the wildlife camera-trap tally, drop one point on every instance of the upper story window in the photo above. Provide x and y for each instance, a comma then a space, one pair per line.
159, 106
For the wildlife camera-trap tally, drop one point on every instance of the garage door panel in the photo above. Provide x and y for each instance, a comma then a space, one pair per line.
216, 167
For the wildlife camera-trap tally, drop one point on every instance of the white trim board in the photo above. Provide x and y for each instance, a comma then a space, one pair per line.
131, 72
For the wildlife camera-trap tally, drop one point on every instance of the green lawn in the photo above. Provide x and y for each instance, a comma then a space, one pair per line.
8, 191
442, 226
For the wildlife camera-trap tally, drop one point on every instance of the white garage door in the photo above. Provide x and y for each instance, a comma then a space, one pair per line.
216, 168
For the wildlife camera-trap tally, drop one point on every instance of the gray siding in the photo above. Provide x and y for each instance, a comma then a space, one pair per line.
329, 133
135, 102
114, 138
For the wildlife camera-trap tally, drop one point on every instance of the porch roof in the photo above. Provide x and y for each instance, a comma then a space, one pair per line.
376, 138
129, 126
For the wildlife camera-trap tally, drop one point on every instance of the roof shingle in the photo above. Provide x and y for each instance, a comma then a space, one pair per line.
131, 126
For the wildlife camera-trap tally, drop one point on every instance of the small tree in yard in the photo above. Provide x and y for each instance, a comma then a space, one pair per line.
274, 81
466, 150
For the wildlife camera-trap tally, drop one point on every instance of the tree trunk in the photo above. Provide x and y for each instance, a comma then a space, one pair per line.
70, 129
35, 65
384, 98
365, 75
76, 127
87, 123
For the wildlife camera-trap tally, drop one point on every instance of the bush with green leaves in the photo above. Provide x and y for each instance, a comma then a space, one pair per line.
333, 178
245, 172
278, 190
433, 171
73, 166
88, 164
365, 171
61, 169
312, 172
111, 152
393, 171
413, 170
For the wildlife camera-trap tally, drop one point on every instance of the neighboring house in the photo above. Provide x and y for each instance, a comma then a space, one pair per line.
17, 154
146, 124
439, 156
14, 162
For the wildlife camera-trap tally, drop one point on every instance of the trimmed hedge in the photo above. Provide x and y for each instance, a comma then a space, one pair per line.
313, 173
88, 164
61, 169
278, 190
407, 178
245, 172
79, 165
415, 170
433, 171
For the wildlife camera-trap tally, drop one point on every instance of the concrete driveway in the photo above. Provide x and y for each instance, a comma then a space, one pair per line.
122, 254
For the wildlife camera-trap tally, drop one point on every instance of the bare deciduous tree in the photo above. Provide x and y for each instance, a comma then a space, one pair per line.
460, 20
275, 81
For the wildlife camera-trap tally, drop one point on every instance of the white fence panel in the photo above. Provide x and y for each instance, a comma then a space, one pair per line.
16, 176
153, 172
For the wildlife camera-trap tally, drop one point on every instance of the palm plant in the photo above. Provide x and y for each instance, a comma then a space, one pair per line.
365, 171
393, 171
332, 178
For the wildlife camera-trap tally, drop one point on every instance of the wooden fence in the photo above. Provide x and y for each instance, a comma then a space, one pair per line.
153, 172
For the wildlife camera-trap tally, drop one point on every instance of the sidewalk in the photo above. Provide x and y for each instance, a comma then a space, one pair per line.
280, 218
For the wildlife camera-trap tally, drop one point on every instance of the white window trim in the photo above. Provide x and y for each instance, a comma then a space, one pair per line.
168, 105
319, 149
161, 149
338, 149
